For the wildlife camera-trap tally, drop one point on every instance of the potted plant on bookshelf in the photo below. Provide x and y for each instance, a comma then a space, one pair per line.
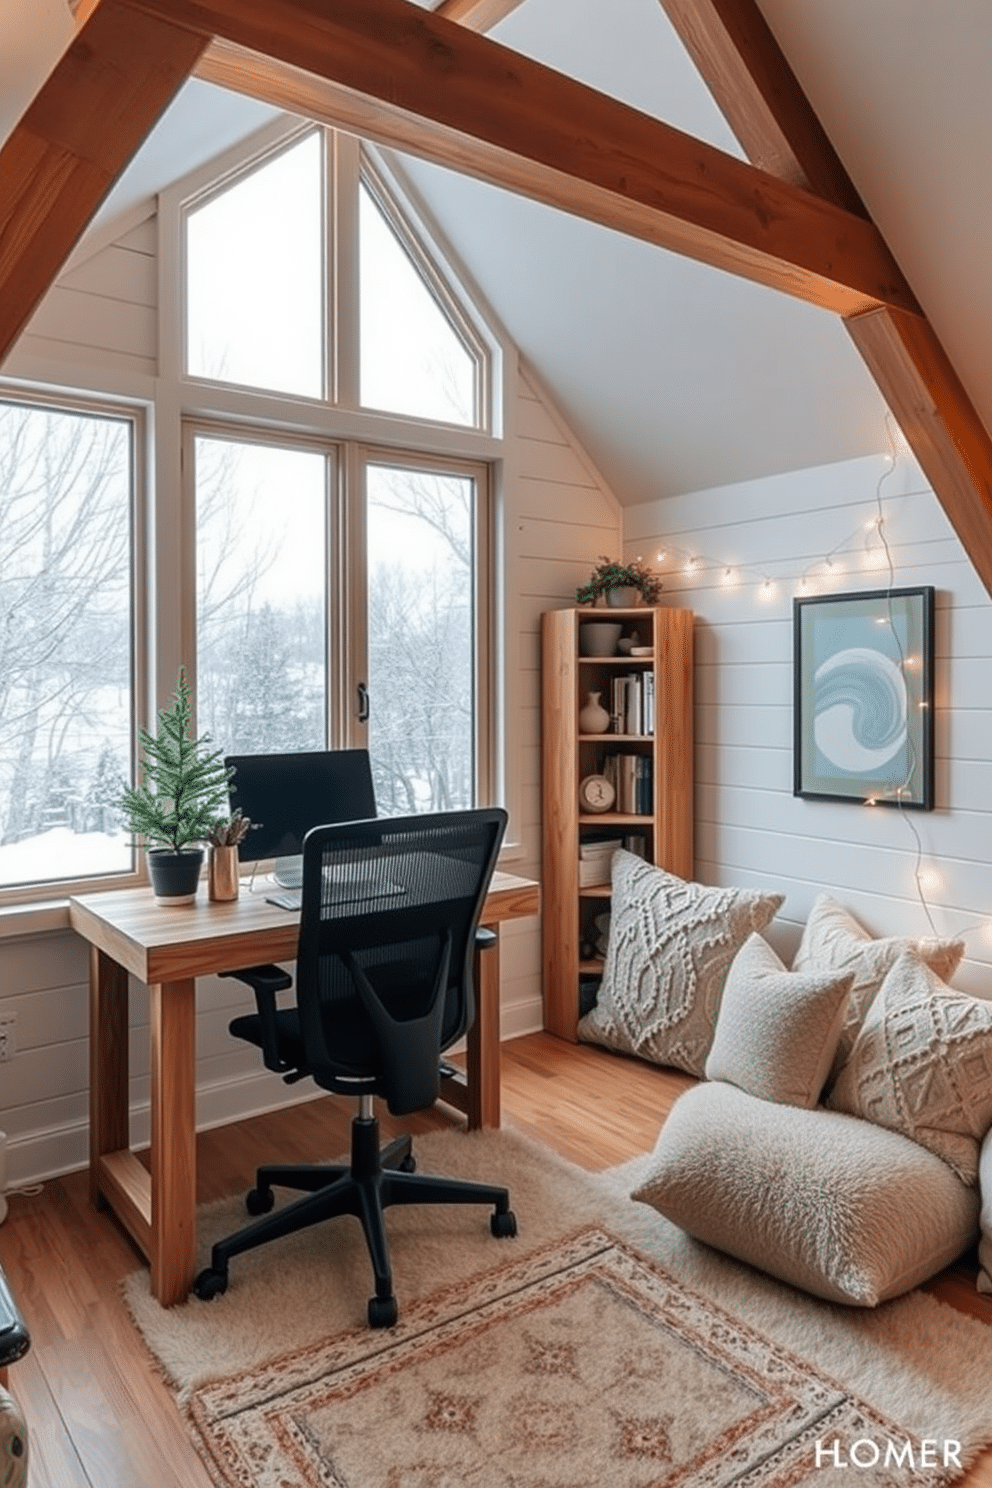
621, 584
182, 795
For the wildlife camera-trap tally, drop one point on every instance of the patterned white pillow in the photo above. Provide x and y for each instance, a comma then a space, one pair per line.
922, 1065
670, 948
833, 940
777, 1029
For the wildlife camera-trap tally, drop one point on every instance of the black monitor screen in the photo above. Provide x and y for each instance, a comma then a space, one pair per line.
284, 795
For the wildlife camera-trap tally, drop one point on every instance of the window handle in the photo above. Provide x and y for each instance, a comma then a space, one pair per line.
363, 703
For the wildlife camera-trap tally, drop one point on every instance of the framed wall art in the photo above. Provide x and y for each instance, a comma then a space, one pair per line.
863, 702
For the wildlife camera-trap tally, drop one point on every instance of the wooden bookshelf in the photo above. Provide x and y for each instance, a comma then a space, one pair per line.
568, 756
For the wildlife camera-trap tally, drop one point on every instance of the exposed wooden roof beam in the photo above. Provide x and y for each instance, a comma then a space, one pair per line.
118, 74
439, 90
754, 86
478, 15
760, 97
919, 384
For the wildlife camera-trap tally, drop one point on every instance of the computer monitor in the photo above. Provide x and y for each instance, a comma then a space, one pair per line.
284, 795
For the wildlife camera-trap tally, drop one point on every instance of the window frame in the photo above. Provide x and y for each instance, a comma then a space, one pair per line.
357, 639
403, 222
216, 187
134, 414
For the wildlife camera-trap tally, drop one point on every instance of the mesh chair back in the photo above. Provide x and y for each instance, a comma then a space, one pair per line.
387, 938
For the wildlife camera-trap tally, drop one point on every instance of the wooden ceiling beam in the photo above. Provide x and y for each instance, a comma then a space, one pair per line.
105, 94
916, 379
758, 94
755, 88
478, 15
464, 101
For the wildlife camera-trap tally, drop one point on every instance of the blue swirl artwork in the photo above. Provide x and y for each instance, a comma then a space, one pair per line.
859, 714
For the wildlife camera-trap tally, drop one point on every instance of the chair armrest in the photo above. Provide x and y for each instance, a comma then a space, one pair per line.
265, 981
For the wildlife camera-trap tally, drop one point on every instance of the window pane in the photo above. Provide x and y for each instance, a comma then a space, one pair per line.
421, 639
65, 620
254, 277
412, 359
261, 566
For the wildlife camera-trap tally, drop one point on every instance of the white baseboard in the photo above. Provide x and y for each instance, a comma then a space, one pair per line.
34, 1157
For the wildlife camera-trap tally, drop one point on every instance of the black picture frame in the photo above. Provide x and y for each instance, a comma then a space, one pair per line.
863, 697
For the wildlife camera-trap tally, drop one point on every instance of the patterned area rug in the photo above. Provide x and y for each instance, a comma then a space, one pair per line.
584, 1365
601, 1347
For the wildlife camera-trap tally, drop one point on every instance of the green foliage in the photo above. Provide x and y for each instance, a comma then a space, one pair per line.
610, 574
185, 789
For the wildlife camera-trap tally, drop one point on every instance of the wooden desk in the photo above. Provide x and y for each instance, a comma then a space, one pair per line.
168, 949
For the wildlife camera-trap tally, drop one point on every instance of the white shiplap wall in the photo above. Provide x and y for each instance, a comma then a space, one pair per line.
559, 517
750, 829
103, 312
97, 327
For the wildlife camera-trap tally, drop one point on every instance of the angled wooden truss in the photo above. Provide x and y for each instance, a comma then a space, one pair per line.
427, 83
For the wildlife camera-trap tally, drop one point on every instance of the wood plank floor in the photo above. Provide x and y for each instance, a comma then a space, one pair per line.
100, 1416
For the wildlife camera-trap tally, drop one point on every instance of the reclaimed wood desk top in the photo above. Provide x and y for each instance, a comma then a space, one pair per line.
157, 943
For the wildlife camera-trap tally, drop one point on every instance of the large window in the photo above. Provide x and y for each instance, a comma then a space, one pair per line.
341, 596
306, 492
66, 701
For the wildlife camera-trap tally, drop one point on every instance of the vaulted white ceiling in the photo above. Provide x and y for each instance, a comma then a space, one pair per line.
676, 376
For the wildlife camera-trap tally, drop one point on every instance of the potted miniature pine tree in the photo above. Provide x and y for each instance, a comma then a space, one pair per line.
182, 794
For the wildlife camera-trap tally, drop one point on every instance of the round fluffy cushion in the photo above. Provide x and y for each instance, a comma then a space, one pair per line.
830, 1203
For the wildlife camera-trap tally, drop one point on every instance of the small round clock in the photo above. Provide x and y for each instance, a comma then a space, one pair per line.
596, 793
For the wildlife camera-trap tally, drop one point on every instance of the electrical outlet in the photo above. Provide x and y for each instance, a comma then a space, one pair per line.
8, 1037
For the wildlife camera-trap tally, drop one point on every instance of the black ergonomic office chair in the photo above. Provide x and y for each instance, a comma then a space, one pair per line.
384, 982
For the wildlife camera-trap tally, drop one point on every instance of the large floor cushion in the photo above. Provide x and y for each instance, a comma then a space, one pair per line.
828, 1202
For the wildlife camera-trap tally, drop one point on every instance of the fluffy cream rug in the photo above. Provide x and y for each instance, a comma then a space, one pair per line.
601, 1345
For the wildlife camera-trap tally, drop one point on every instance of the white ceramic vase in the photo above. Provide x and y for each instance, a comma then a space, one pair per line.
593, 717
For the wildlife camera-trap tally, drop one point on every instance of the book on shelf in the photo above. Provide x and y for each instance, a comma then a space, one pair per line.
632, 704
596, 860
632, 777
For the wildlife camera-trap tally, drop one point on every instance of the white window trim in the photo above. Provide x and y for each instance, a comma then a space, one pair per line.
16, 901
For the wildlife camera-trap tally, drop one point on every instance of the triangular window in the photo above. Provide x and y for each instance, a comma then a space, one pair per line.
255, 276
415, 359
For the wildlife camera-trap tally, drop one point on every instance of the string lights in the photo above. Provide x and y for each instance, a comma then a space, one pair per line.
868, 547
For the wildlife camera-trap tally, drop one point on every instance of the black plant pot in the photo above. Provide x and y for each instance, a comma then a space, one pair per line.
175, 875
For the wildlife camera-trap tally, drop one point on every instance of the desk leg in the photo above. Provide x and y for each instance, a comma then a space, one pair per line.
172, 1015
482, 1053
108, 1063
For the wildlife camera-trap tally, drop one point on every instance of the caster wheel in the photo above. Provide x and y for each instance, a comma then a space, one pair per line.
210, 1284
503, 1226
382, 1312
259, 1200
409, 1164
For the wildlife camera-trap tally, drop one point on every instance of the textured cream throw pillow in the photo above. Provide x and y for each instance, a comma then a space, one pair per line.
833, 940
777, 1030
670, 948
922, 1065
836, 1206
